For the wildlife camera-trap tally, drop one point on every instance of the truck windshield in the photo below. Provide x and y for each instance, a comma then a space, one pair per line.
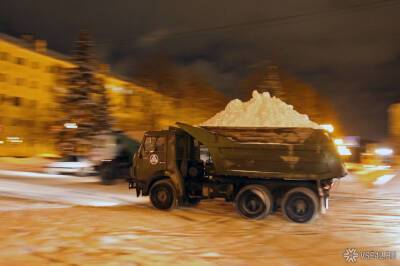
160, 144
152, 144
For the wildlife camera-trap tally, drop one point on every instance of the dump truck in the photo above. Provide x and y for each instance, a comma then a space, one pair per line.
260, 170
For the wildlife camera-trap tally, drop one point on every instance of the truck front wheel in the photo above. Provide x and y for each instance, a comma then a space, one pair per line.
300, 205
163, 195
254, 202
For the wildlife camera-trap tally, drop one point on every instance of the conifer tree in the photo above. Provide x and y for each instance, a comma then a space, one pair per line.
83, 101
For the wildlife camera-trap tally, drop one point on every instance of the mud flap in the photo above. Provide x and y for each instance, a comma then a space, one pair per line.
324, 205
323, 199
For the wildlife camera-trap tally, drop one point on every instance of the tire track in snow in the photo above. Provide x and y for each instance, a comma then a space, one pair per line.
64, 196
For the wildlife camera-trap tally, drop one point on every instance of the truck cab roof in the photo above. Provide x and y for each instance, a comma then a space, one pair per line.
153, 133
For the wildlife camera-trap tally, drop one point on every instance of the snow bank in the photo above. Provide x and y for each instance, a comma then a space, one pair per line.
261, 110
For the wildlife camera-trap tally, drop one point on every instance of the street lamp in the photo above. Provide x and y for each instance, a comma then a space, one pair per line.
328, 127
71, 125
384, 151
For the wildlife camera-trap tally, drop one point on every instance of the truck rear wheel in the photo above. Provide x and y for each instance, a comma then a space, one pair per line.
254, 202
300, 205
163, 195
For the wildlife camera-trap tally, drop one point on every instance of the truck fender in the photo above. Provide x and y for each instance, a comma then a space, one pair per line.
175, 178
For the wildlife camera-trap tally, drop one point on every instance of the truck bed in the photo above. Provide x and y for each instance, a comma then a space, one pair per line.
285, 153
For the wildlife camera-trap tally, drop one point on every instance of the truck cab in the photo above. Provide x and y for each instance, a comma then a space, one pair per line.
168, 154
151, 158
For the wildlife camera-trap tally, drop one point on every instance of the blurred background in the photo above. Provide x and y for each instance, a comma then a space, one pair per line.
81, 81
33, 78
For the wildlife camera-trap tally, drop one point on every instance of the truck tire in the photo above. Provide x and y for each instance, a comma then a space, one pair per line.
300, 205
163, 195
254, 202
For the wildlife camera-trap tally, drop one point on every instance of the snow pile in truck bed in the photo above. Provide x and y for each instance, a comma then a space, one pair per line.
261, 110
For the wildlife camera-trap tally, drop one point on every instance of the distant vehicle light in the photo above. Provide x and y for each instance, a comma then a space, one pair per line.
70, 125
344, 151
328, 127
339, 141
14, 139
384, 151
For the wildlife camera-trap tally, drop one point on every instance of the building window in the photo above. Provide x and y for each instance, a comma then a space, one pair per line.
53, 69
128, 101
17, 101
3, 56
35, 65
51, 89
19, 81
34, 84
32, 103
3, 77
23, 122
20, 61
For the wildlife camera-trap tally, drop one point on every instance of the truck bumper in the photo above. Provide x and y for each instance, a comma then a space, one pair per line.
134, 185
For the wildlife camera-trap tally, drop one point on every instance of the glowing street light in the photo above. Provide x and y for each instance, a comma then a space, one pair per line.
344, 151
339, 141
71, 125
384, 151
14, 139
328, 127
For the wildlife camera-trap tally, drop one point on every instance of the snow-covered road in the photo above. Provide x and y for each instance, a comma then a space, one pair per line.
57, 190
76, 221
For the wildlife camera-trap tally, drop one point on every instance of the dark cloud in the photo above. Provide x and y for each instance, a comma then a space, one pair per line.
348, 49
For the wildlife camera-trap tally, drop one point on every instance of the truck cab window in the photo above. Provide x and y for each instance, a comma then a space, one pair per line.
160, 144
150, 144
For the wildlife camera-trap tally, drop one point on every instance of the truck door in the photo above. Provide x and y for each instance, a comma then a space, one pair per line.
152, 156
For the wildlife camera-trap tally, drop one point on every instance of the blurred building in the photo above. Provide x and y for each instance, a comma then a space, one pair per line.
394, 129
29, 74
304, 97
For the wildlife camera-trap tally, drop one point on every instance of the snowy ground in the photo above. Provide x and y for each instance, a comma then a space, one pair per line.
65, 220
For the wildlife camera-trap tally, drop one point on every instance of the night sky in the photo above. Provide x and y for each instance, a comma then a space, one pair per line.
348, 49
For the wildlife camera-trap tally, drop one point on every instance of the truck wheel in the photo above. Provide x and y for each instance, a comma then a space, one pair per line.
300, 205
254, 202
163, 195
